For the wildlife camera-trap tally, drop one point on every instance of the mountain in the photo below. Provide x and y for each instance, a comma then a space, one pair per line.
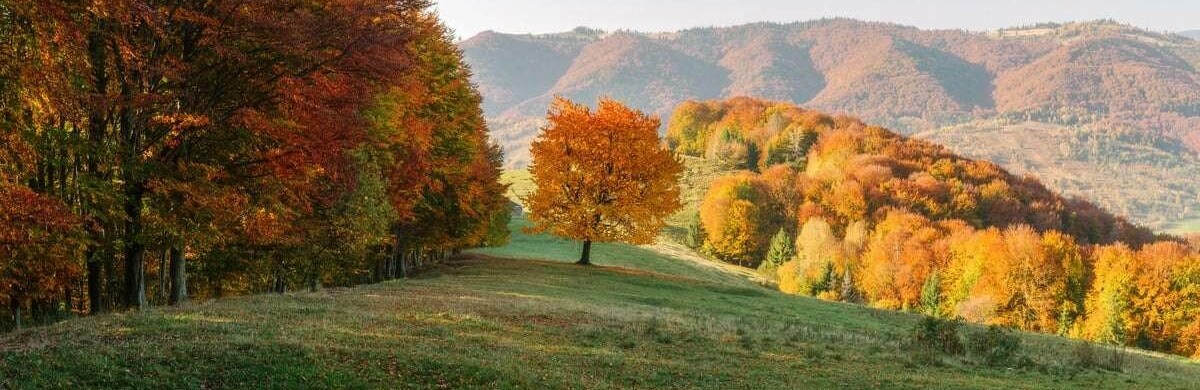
1098, 80
1194, 34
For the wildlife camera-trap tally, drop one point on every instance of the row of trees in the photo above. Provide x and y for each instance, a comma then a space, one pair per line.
1041, 282
869, 216
232, 147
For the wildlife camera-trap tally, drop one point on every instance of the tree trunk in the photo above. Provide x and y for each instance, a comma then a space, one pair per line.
396, 263
16, 312
69, 299
135, 251
98, 120
586, 257
162, 276
95, 306
179, 291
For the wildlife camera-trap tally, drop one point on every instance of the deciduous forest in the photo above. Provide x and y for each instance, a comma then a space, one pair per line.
156, 151
838, 209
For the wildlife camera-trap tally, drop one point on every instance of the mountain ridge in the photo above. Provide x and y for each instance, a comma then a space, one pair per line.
1101, 77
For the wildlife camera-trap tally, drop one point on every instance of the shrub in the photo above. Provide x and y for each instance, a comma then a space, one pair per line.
995, 346
933, 337
1089, 356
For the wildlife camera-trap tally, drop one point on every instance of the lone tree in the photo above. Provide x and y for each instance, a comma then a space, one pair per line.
601, 176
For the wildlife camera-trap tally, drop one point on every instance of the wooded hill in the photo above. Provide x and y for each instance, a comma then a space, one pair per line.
1132, 88
835, 208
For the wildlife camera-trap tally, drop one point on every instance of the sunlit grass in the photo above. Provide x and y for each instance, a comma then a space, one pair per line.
488, 322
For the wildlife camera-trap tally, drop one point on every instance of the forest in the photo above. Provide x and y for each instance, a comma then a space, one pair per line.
838, 209
156, 151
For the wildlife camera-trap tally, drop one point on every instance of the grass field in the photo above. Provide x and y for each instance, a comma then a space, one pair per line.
487, 322
1185, 227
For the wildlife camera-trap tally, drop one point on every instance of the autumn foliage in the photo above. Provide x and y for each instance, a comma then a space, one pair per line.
904, 224
151, 150
602, 175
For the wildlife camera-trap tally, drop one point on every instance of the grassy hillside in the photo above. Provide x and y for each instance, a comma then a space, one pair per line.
1127, 174
486, 322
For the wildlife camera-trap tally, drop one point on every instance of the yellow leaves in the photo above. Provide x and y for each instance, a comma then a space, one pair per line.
733, 217
602, 175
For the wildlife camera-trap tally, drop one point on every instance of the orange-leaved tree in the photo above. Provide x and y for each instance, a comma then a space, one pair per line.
601, 176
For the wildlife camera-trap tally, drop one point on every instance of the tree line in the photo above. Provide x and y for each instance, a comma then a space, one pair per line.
845, 211
155, 150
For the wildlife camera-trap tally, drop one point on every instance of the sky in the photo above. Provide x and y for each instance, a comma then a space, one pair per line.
470, 17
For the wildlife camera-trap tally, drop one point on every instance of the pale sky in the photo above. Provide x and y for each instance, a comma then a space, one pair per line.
469, 17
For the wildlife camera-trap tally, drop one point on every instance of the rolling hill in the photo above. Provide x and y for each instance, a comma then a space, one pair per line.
643, 320
1104, 79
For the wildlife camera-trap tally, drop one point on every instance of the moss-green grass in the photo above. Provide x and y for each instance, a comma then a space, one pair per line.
1188, 226
547, 247
487, 322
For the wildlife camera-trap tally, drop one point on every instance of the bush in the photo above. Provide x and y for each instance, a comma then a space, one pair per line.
933, 337
995, 346
1088, 356
939, 335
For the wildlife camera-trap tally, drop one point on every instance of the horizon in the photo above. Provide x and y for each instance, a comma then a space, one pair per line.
468, 18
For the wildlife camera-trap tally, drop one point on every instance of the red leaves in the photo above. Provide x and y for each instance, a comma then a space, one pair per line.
39, 243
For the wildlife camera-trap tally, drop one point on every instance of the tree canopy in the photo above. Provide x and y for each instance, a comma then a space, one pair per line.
602, 175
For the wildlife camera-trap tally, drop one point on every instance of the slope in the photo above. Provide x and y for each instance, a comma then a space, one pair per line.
1127, 173
484, 322
1103, 77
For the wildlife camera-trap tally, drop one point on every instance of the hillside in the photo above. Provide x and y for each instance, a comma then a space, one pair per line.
1101, 77
1129, 174
487, 322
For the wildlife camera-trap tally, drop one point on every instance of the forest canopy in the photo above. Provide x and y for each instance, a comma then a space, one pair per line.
871, 216
156, 150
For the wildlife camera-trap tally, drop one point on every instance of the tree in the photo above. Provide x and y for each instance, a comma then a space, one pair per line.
817, 251
695, 232
931, 295
781, 249
39, 245
733, 215
1110, 302
752, 157
601, 176
899, 259
252, 144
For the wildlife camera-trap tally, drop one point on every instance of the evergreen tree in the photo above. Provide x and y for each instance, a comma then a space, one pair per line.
752, 156
782, 249
931, 295
695, 232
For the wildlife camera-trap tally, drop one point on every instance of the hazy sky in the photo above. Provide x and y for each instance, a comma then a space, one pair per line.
469, 17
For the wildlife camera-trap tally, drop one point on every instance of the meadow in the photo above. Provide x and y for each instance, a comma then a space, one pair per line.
521, 316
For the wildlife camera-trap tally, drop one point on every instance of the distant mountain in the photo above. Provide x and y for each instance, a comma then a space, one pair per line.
1194, 34
1110, 82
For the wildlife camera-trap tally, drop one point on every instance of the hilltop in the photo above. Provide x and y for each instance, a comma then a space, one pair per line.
642, 320
1104, 79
